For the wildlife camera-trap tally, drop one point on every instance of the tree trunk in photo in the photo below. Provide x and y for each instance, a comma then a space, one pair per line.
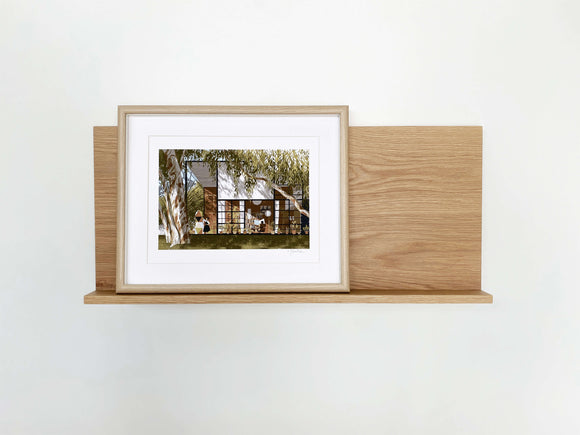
175, 201
166, 227
167, 219
173, 231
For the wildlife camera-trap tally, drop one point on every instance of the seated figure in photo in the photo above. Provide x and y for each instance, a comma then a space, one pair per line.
199, 224
260, 224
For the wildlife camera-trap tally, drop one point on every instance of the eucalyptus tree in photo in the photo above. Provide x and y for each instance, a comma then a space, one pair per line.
172, 189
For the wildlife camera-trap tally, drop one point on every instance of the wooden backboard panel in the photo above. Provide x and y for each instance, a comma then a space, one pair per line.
415, 207
105, 155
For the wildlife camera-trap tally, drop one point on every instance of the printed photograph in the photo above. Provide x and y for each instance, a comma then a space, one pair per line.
234, 199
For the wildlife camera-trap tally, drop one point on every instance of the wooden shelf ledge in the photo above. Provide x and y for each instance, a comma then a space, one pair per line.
355, 296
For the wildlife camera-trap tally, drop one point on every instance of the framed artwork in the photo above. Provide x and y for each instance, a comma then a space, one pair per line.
216, 199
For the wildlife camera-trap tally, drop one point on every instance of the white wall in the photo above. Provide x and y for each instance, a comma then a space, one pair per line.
507, 368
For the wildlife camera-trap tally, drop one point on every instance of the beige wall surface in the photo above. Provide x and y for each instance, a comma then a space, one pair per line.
506, 368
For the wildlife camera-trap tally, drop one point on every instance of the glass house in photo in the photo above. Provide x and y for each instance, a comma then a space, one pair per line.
232, 209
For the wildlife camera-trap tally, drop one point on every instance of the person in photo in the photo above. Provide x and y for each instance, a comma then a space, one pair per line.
199, 224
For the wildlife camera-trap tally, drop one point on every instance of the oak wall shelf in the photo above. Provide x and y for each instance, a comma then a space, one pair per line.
415, 221
355, 296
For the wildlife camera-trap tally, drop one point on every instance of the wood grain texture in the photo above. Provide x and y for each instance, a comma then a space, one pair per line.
415, 208
415, 219
355, 296
105, 155
242, 110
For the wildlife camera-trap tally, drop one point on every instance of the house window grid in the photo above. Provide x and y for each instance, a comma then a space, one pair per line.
289, 215
232, 212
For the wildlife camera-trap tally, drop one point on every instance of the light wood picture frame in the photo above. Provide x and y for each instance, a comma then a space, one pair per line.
288, 238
